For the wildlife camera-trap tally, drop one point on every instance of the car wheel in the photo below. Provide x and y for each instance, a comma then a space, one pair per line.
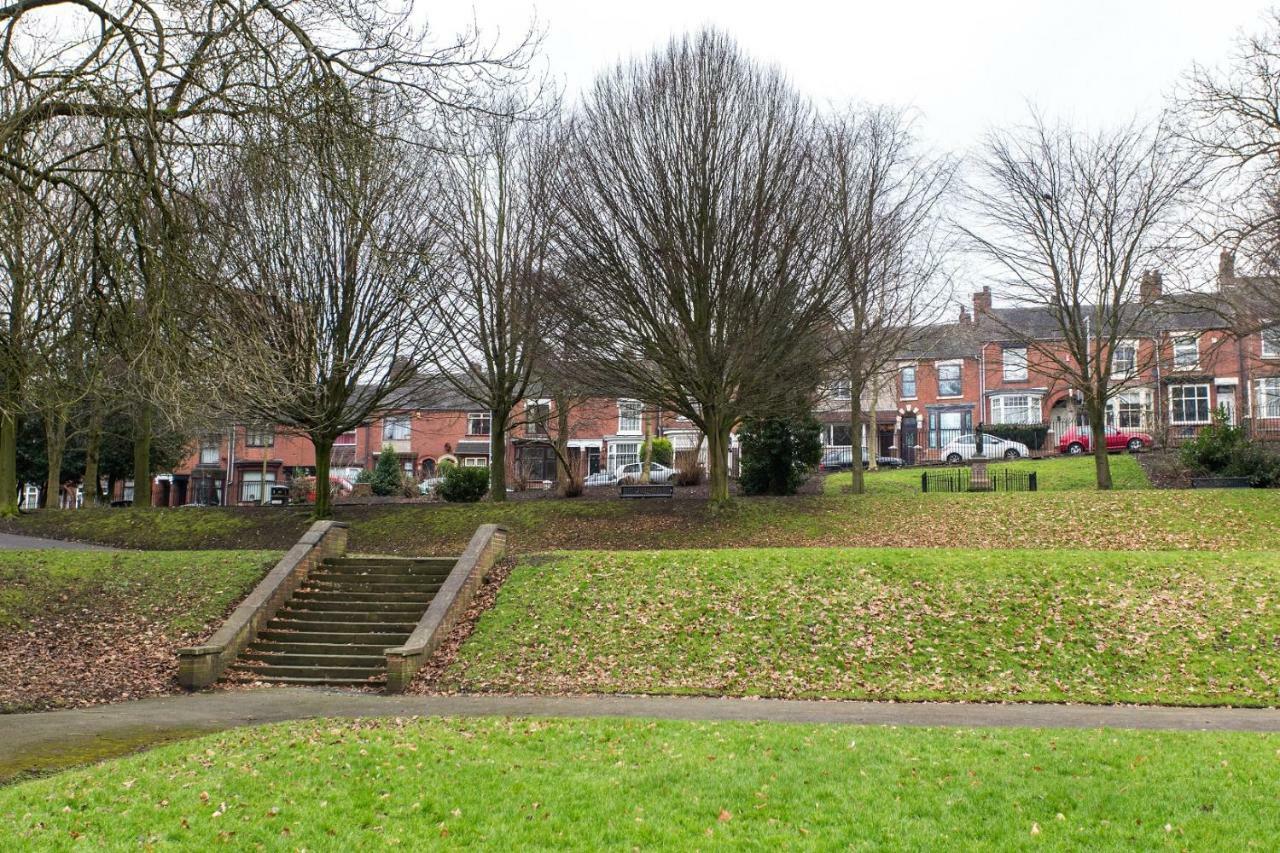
954, 459
1075, 448
1011, 454
1135, 444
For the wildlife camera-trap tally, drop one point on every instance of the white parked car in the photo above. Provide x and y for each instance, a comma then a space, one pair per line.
658, 473
600, 478
965, 447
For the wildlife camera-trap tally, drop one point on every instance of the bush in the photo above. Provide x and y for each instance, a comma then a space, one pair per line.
662, 451
300, 489
463, 485
387, 477
689, 471
1032, 435
778, 454
1226, 451
365, 476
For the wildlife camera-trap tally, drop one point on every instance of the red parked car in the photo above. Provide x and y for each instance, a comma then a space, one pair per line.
1078, 440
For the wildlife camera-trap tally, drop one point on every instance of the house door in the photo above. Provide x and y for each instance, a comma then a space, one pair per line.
909, 440
1227, 402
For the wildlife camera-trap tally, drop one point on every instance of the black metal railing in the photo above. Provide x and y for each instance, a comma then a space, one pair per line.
962, 480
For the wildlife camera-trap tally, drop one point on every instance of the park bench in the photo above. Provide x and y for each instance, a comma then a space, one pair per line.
646, 490
1220, 483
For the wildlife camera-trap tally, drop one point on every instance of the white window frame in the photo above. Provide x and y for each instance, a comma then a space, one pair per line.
617, 458
842, 390
628, 411
1180, 341
1032, 408
210, 450
475, 461
1130, 398
251, 485
1208, 399
393, 425
1268, 393
959, 366
1133, 368
915, 381
531, 426
1270, 349
1013, 364
479, 417
341, 440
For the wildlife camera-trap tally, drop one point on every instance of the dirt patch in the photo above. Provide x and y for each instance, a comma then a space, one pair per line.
1165, 469
425, 680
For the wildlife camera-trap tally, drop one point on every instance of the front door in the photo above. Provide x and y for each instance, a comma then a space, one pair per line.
909, 441
1227, 403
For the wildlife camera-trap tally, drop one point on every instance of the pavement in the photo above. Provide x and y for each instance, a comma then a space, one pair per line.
28, 740
14, 542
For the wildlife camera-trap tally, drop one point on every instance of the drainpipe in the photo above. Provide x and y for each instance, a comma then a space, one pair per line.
231, 463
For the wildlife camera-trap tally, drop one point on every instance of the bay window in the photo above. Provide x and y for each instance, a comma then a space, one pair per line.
251, 489
1128, 410
623, 453
1189, 404
1015, 409
1269, 397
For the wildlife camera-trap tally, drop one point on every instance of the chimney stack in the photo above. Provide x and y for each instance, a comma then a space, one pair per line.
965, 319
1151, 287
1226, 268
982, 302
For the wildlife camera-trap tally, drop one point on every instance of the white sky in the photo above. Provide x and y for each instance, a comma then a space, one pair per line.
965, 64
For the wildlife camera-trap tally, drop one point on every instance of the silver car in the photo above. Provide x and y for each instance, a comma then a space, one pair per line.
965, 448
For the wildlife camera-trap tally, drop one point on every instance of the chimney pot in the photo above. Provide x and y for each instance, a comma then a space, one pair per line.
1226, 268
1151, 287
982, 301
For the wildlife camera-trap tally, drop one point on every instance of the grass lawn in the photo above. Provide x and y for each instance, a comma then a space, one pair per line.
1059, 474
1081, 626
593, 784
78, 627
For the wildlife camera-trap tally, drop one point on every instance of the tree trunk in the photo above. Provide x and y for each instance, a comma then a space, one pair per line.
563, 472
646, 455
1098, 431
498, 457
55, 442
142, 457
873, 434
324, 449
859, 485
717, 461
264, 498
92, 449
8, 463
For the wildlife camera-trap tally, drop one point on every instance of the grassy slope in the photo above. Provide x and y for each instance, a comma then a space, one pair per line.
1060, 474
1121, 520
595, 784
1165, 627
179, 590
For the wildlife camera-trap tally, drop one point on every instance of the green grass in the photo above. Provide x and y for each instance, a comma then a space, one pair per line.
1060, 474
177, 590
1080, 626
610, 784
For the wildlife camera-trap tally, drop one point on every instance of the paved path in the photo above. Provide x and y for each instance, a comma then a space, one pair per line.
37, 735
13, 542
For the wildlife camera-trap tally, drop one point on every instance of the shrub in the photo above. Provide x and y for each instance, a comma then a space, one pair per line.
689, 471
300, 489
365, 475
387, 477
463, 485
661, 450
778, 454
1226, 451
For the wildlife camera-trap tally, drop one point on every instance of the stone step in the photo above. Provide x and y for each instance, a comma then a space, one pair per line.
297, 612
298, 659
312, 635
355, 581
344, 672
356, 649
412, 608
397, 585
375, 681
420, 598
395, 563
331, 626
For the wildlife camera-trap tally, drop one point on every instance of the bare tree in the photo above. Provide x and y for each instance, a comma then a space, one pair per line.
1070, 222
324, 237
691, 238
885, 222
494, 215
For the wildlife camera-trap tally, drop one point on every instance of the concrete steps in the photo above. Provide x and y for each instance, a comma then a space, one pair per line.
336, 628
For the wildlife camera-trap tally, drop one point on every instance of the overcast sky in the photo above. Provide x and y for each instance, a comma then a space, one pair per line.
964, 65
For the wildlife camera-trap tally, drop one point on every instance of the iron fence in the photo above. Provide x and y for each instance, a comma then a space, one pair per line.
962, 480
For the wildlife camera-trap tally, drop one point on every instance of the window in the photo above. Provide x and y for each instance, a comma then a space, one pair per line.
475, 462
1015, 366
1015, 409
839, 435
210, 450
1269, 398
251, 485
1189, 404
1186, 352
949, 379
396, 428
1129, 410
908, 382
629, 414
1271, 342
948, 425
536, 415
347, 439
259, 436
479, 423
1124, 358
842, 391
623, 453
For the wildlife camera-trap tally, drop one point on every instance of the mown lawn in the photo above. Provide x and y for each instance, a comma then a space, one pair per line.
609, 784
1058, 474
80, 627
1080, 626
